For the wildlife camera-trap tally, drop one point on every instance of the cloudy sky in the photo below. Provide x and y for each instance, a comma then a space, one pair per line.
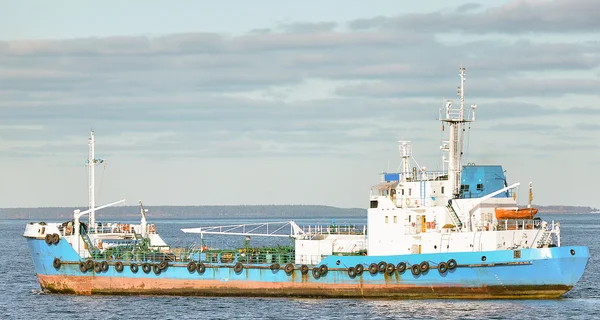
290, 102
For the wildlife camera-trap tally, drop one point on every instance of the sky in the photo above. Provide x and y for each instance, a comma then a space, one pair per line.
290, 102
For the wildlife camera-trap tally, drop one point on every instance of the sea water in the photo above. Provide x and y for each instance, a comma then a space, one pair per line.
21, 298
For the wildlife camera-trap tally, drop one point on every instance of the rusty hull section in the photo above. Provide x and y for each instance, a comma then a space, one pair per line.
137, 286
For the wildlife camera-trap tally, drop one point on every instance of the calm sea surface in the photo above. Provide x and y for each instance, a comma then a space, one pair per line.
20, 296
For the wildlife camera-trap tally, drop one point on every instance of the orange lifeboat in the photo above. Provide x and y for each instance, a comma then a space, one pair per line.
521, 213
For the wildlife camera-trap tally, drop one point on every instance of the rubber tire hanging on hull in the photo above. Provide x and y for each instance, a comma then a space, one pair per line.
163, 265
323, 270
442, 267
401, 267
146, 267
304, 269
381, 266
134, 268
156, 269
119, 266
424, 266
373, 268
56, 263
289, 268
200, 268
48, 239
238, 267
351, 272
359, 269
415, 269
316, 273
191, 266
451, 264
82, 267
55, 238
89, 264
390, 268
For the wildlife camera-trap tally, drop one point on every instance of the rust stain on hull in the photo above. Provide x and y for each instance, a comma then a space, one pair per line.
131, 286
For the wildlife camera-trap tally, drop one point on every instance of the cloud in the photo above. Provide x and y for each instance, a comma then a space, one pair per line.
514, 17
468, 7
487, 87
304, 27
294, 89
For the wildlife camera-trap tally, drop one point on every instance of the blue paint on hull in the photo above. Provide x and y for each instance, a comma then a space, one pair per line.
544, 267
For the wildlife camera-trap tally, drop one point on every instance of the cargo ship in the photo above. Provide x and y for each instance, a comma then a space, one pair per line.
453, 233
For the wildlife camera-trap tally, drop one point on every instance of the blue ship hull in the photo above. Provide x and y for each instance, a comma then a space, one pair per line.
525, 273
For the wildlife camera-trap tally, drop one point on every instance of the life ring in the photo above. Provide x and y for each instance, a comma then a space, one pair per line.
146, 267
275, 266
56, 263
424, 266
390, 268
48, 239
152, 228
316, 273
238, 267
401, 266
134, 268
442, 267
163, 264
289, 268
415, 269
359, 269
323, 270
156, 269
68, 230
304, 269
451, 264
191, 266
351, 272
97, 267
119, 266
89, 264
373, 268
381, 266
82, 267
200, 267
104, 266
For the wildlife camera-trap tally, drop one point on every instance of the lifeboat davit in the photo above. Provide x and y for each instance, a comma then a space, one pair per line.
520, 213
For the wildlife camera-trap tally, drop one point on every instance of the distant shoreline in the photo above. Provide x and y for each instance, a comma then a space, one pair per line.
271, 212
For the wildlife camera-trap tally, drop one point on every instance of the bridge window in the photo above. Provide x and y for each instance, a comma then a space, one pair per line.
395, 219
409, 191
480, 187
442, 189
464, 187
386, 219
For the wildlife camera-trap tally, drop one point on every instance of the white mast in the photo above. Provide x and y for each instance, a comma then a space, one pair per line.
455, 119
91, 163
91, 177
405, 153
144, 223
